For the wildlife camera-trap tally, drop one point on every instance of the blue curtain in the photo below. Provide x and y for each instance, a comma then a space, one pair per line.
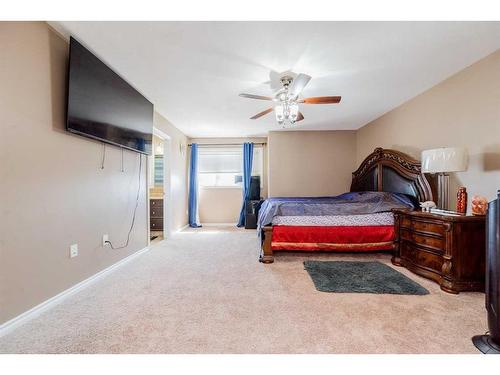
247, 174
193, 188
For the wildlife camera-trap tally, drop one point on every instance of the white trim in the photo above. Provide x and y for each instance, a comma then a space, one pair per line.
168, 207
217, 224
182, 228
167, 183
51, 302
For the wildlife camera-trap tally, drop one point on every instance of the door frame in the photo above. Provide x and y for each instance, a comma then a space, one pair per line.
167, 185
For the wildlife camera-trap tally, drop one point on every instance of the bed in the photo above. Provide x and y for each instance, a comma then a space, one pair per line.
359, 220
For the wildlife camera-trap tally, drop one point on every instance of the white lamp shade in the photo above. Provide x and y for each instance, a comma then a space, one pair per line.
449, 159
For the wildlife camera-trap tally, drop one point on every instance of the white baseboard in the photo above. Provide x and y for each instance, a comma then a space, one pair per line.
217, 224
51, 302
182, 228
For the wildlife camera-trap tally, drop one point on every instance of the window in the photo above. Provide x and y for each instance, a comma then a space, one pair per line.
223, 166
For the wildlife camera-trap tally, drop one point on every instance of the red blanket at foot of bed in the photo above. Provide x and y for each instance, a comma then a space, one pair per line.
338, 238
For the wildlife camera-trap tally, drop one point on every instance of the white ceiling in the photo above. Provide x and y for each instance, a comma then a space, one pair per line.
194, 71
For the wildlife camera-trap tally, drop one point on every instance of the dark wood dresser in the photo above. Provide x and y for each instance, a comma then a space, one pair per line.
156, 214
447, 249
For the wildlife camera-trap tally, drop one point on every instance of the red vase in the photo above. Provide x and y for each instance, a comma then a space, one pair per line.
462, 200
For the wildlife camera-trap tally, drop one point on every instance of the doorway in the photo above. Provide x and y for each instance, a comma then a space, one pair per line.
159, 188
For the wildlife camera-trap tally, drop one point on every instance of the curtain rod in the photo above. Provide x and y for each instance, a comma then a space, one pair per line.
226, 144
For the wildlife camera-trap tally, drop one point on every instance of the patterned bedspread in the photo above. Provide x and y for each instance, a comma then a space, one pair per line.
381, 218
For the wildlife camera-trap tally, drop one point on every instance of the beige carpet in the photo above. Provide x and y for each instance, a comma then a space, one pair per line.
205, 292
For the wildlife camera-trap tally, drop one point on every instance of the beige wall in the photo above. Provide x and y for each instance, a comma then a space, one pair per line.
219, 205
310, 163
178, 157
464, 110
53, 191
223, 205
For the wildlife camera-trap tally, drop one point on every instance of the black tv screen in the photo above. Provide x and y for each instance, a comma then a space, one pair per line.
103, 106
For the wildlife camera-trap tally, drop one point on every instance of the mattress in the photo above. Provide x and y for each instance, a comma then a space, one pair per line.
369, 232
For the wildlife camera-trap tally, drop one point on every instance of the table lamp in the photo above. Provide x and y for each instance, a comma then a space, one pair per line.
442, 161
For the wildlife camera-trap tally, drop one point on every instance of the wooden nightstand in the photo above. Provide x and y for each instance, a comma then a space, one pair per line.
447, 249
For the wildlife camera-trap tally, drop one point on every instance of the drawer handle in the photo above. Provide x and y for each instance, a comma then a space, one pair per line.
154, 212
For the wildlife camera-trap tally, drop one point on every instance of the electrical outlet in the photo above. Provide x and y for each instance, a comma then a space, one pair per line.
73, 250
105, 238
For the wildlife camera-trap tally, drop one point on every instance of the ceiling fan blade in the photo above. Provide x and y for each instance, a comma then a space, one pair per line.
260, 114
300, 117
321, 100
252, 96
298, 84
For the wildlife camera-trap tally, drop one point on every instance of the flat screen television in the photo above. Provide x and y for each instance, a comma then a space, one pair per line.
103, 106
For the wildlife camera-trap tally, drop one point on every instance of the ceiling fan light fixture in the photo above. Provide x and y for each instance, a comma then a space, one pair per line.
287, 100
293, 109
280, 115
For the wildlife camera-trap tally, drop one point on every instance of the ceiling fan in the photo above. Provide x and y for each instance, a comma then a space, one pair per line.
287, 99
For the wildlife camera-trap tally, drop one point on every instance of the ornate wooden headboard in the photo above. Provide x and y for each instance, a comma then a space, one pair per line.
393, 171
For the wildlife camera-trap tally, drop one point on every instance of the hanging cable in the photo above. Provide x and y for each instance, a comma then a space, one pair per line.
103, 155
135, 209
123, 170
